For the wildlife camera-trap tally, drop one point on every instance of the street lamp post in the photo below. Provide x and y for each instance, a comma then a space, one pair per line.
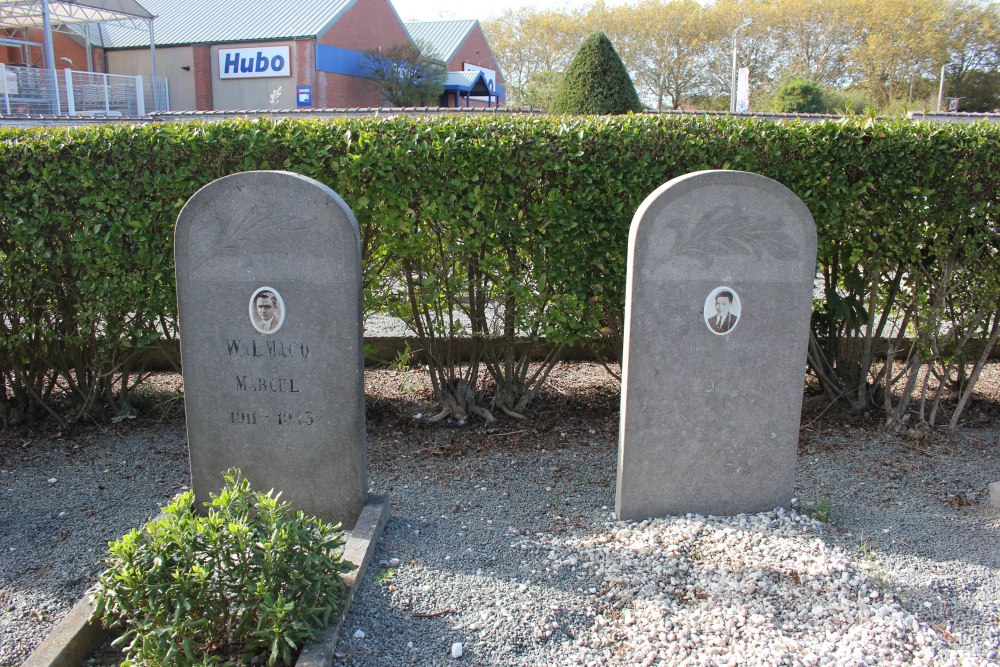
941, 88
732, 88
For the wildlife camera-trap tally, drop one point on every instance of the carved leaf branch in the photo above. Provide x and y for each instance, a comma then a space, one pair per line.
239, 227
724, 232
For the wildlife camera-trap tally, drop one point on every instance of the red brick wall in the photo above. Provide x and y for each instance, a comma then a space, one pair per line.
304, 62
201, 64
476, 51
367, 25
63, 45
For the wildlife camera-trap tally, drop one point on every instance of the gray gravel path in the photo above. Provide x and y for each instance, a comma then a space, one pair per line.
513, 553
61, 501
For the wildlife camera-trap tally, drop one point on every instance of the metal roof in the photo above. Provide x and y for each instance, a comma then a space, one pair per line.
471, 82
28, 13
215, 21
440, 39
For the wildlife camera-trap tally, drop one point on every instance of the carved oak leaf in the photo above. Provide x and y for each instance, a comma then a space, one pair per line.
724, 232
258, 223
238, 228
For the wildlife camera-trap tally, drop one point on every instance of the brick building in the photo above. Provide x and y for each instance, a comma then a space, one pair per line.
259, 54
463, 48
70, 50
214, 52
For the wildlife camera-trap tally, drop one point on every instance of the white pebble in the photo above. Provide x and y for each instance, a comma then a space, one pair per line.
456, 650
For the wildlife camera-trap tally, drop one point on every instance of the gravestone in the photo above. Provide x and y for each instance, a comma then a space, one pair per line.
269, 302
718, 301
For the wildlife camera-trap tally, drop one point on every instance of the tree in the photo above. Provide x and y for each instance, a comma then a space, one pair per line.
897, 45
977, 92
596, 81
528, 42
799, 96
814, 39
405, 76
888, 52
671, 41
541, 90
974, 55
755, 44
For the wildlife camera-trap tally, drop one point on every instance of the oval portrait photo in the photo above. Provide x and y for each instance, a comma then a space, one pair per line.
267, 310
722, 310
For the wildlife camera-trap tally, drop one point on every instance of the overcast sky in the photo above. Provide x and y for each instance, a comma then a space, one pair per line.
436, 10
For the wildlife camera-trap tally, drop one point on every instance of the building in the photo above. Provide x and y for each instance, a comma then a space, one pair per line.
23, 48
209, 55
260, 54
462, 46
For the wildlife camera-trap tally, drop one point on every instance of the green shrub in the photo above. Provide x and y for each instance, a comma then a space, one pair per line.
596, 82
524, 217
248, 578
799, 96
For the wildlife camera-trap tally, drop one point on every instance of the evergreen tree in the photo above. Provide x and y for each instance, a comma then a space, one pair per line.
596, 82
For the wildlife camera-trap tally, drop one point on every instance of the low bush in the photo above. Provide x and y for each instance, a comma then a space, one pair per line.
249, 578
799, 96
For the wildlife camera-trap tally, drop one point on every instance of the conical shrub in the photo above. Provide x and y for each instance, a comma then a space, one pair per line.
596, 82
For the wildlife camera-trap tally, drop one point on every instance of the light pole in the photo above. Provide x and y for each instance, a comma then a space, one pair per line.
941, 88
732, 88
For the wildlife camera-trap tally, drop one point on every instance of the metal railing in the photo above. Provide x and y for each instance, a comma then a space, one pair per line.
34, 91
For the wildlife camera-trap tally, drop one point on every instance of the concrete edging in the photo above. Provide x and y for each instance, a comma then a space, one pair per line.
358, 550
72, 640
75, 638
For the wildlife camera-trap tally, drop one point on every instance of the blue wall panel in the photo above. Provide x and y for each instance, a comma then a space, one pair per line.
340, 61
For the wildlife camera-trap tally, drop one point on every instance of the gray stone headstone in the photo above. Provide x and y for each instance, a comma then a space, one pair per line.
719, 295
269, 301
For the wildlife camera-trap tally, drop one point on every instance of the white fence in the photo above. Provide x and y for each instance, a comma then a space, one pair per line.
33, 91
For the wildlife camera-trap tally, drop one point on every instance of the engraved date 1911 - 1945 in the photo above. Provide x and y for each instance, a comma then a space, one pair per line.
280, 418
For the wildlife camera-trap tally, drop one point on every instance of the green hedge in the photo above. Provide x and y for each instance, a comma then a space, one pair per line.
529, 213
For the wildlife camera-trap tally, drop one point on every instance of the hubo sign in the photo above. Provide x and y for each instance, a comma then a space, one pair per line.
254, 62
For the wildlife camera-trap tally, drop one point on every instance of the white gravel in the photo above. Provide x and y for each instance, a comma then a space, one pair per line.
515, 556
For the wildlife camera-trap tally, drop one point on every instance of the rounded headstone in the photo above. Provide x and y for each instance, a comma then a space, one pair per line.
719, 296
269, 301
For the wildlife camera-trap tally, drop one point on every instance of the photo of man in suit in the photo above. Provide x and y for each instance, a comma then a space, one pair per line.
266, 310
723, 320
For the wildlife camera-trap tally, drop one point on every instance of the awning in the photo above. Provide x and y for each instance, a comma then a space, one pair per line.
44, 14
470, 83
30, 13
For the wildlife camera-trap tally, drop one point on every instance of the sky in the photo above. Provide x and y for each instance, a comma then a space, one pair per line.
437, 10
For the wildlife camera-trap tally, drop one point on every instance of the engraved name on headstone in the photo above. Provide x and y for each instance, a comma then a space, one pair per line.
719, 296
269, 301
